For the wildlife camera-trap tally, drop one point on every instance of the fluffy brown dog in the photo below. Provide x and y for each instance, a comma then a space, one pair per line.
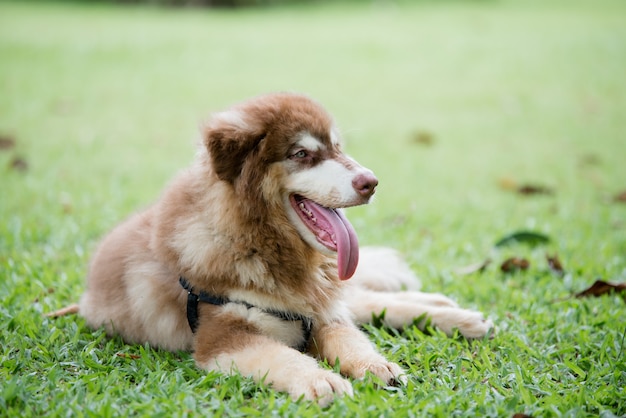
245, 259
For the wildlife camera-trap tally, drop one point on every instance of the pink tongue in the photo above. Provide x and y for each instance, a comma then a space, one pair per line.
347, 244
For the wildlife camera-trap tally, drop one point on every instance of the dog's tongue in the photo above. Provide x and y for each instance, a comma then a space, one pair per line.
335, 232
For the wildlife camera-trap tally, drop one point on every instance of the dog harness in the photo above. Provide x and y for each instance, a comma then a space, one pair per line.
193, 299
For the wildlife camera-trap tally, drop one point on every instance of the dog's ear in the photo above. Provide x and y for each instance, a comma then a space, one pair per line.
229, 139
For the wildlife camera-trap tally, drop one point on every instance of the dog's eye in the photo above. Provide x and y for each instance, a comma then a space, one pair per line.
300, 154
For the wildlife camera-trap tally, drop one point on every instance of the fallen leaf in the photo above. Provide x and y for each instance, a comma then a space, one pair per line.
473, 268
18, 164
513, 264
523, 237
533, 189
128, 356
520, 415
66, 203
555, 264
600, 287
71, 309
507, 183
590, 159
423, 138
620, 197
6, 143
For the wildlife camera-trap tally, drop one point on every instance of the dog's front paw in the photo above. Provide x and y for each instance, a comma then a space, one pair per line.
321, 387
471, 324
389, 373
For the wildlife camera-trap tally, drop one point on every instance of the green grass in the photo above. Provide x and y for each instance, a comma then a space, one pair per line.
103, 102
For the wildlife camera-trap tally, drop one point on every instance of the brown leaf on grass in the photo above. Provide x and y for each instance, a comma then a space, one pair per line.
128, 356
473, 268
509, 184
18, 164
6, 142
590, 160
513, 264
520, 415
66, 203
600, 287
423, 138
534, 189
555, 264
620, 197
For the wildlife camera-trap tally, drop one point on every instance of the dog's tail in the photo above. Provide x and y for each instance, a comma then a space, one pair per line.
71, 309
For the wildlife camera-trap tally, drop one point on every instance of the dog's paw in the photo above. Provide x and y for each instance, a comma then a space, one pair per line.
471, 324
322, 387
389, 373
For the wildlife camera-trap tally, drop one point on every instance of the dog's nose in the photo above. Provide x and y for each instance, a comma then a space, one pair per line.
365, 184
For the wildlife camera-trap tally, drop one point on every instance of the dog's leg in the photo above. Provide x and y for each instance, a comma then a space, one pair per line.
232, 345
421, 298
402, 308
383, 269
356, 355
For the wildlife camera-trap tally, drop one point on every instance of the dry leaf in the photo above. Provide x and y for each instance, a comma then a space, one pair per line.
590, 159
128, 356
6, 143
514, 264
18, 164
473, 268
532, 189
423, 138
600, 288
507, 183
555, 264
620, 197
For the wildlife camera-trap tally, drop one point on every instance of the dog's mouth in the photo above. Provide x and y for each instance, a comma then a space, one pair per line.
332, 230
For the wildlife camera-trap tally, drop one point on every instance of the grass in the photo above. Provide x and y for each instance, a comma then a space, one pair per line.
103, 102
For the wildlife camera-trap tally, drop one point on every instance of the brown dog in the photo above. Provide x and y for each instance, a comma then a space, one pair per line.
245, 259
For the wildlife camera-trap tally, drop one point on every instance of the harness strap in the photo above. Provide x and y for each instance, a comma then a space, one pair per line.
193, 299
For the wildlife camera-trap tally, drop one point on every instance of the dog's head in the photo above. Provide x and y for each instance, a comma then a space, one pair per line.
283, 151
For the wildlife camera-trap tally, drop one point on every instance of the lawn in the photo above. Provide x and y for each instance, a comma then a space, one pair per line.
459, 107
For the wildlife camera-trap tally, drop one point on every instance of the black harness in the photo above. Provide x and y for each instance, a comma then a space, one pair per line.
193, 299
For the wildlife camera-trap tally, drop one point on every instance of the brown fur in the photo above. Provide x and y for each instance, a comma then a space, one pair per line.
223, 225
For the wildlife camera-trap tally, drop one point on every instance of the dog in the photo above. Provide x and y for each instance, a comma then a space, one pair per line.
246, 258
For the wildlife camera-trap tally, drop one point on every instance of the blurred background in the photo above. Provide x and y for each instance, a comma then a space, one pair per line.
455, 105
480, 118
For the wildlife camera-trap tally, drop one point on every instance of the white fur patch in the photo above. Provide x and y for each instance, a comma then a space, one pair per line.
288, 332
232, 117
328, 183
149, 310
309, 142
